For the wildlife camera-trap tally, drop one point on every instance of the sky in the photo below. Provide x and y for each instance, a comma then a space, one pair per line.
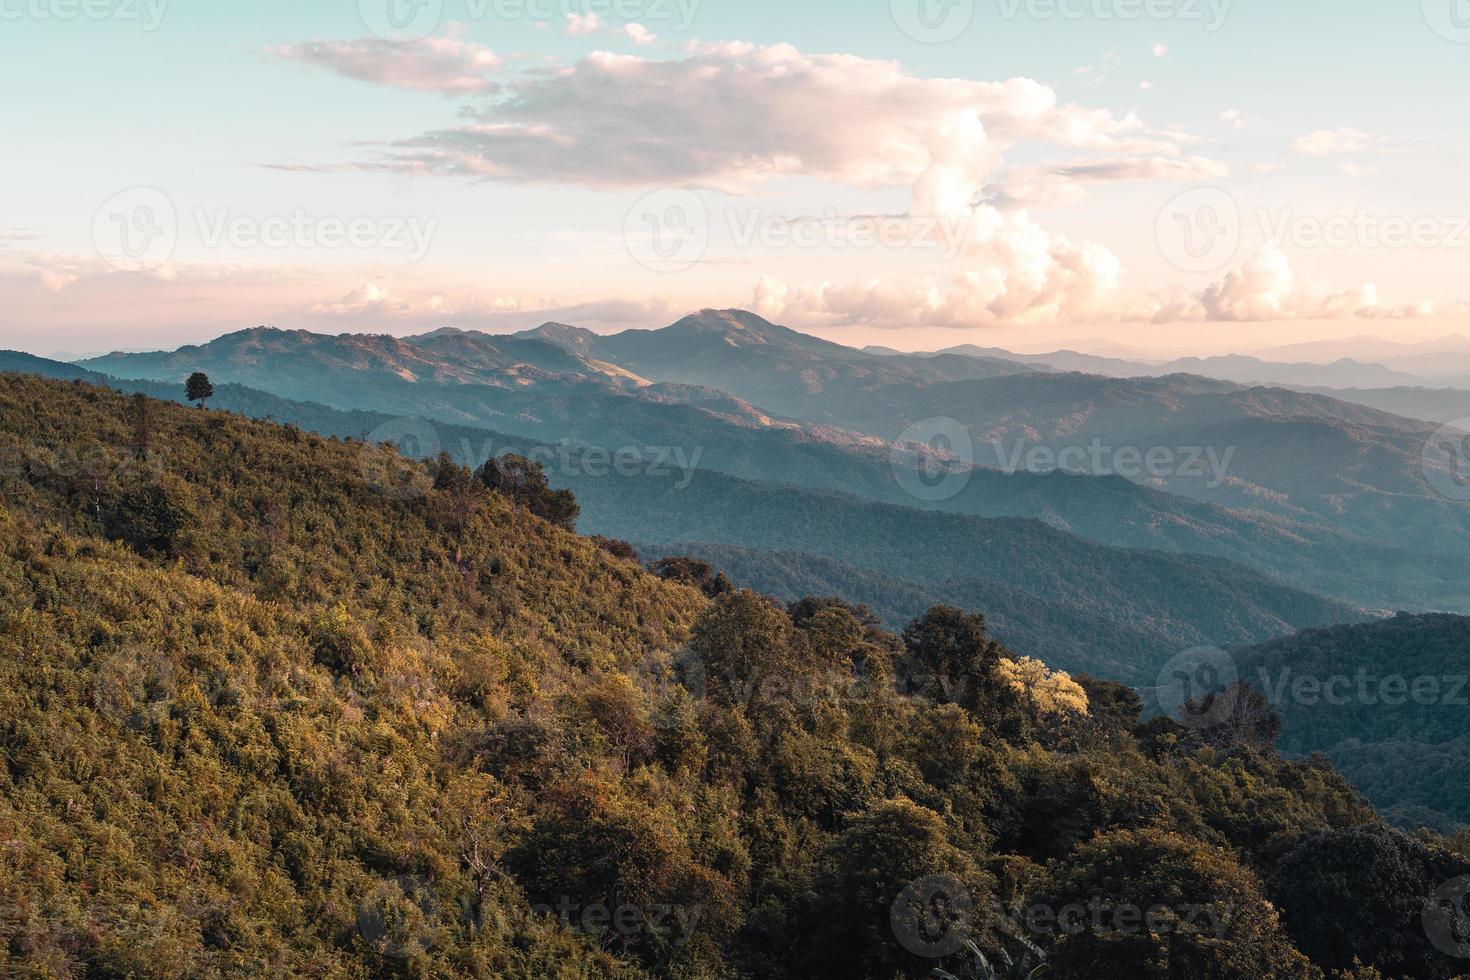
1179, 176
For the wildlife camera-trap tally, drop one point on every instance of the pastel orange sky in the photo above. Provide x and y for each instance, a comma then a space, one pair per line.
1205, 177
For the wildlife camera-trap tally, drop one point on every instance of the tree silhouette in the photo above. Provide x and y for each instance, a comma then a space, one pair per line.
198, 389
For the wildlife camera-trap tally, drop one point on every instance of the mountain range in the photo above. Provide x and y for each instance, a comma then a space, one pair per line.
1325, 495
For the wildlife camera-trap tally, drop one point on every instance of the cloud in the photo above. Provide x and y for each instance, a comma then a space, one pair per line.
375, 303
1330, 142
1264, 288
734, 115
640, 35
1161, 50
1065, 183
1232, 118
372, 298
1351, 169
435, 64
583, 24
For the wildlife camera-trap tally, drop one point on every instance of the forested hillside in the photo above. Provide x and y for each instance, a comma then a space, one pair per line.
259, 717
1388, 702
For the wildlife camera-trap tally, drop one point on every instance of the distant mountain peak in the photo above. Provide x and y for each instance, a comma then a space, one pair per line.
727, 321
573, 340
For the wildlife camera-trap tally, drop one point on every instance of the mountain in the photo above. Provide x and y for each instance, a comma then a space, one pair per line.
261, 718
1339, 372
1108, 510
1366, 348
1299, 456
1342, 373
1068, 360
1069, 631
1176, 601
299, 361
1386, 702
779, 369
1431, 404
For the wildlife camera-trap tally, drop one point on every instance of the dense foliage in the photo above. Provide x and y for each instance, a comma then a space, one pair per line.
272, 704
1388, 702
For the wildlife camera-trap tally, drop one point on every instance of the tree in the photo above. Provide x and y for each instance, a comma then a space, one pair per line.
895, 897
1361, 895
524, 482
692, 571
742, 645
1154, 905
951, 653
198, 389
1240, 717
